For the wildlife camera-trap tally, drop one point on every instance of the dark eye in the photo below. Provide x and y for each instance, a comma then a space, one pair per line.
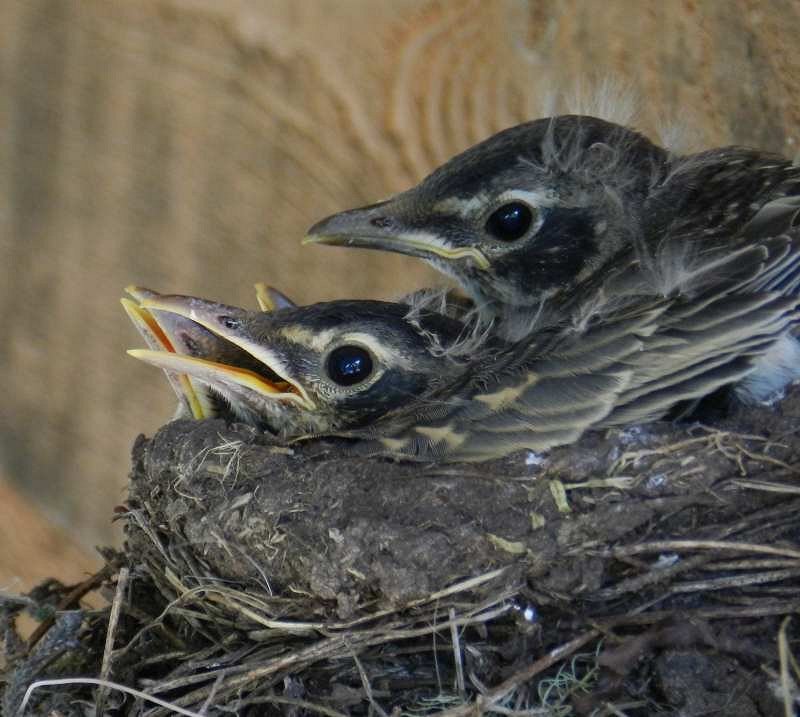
510, 222
349, 365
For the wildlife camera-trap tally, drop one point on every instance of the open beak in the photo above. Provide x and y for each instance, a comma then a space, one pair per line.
162, 337
217, 375
374, 227
247, 368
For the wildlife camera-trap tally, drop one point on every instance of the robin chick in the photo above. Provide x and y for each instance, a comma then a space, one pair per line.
409, 382
314, 369
550, 207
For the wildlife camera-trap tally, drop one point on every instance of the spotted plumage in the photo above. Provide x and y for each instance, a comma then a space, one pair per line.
405, 381
546, 207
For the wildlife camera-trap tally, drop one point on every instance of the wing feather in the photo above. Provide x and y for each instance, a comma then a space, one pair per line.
633, 362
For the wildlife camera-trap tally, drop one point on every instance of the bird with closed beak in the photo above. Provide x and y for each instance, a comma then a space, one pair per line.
530, 221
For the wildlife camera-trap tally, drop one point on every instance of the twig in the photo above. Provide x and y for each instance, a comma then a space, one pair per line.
211, 695
769, 486
651, 577
751, 564
113, 619
658, 546
485, 702
786, 679
103, 683
734, 581
237, 676
71, 598
457, 654
367, 686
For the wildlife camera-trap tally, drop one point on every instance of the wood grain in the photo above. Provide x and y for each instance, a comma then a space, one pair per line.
187, 145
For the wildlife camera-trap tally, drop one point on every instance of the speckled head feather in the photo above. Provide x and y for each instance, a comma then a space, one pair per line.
572, 176
312, 369
541, 208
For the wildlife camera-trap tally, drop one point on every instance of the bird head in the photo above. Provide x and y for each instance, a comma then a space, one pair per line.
529, 211
306, 370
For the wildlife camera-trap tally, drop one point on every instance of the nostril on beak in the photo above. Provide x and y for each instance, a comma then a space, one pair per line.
381, 222
229, 322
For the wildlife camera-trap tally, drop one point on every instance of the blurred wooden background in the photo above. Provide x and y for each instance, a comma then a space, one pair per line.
187, 144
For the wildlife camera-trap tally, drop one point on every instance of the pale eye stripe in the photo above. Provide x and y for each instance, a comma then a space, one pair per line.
466, 208
461, 207
545, 198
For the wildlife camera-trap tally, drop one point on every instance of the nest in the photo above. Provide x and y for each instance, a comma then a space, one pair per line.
637, 572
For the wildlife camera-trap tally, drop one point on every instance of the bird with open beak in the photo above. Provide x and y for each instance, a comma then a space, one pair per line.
307, 370
405, 381
530, 221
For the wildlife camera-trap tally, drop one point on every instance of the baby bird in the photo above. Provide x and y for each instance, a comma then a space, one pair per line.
408, 382
551, 206
308, 370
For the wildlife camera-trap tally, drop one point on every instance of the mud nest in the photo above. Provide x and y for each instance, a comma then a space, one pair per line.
647, 571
